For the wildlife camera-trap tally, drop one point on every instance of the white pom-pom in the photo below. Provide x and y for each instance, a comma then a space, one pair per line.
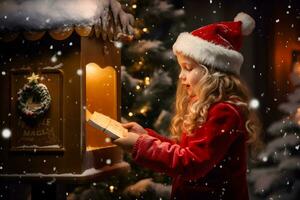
248, 23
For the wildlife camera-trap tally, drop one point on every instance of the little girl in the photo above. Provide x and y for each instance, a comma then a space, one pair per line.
213, 125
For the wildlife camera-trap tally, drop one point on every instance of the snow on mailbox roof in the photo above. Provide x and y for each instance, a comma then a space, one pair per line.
105, 17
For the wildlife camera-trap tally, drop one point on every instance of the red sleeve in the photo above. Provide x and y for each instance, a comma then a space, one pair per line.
158, 136
205, 149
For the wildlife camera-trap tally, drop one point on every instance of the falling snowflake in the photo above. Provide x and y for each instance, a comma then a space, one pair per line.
118, 44
54, 59
79, 72
108, 161
254, 103
265, 159
6, 133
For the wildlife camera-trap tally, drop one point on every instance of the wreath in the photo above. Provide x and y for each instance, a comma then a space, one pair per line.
33, 99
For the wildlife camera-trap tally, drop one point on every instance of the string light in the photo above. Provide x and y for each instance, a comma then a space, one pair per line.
134, 6
147, 80
145, 30
130, 114
138, 87
144, 109
111, 188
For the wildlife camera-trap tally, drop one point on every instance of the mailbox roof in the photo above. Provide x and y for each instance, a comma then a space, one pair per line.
103, 18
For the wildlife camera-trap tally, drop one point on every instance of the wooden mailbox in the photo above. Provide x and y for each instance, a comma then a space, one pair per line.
79, 68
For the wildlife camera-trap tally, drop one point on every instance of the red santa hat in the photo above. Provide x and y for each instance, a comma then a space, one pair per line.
217, 45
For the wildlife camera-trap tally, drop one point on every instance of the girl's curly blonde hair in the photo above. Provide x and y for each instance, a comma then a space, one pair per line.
215, 86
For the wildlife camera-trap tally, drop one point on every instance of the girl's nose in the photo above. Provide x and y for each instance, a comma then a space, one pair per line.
181, 76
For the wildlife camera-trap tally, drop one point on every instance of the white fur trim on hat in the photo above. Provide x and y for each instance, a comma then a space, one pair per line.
208, 53
248, 23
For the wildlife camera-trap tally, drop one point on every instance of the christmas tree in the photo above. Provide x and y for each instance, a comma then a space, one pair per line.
149, 75
276, 175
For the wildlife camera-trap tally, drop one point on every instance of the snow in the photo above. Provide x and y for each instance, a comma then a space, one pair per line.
58, 66
79, 72
163, 120
44, 14
127, 79
254, 103
6, 133
283, 125
291, 164
267, 180
160, 81
282, 145
118, 44
163, 6
143, 46
53, 59
87, 172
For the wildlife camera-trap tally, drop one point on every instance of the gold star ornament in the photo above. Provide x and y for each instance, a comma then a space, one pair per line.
33, 78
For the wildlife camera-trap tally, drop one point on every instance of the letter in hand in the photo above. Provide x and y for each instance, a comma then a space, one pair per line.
135, 128
107, 125
127, 141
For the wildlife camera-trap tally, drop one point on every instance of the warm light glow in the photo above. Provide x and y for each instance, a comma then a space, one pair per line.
138, 87
296, 68
134, 6
107, 139
101, 93
111, 188
91, 68
144, 110
297, 116
130, 114
147, 81
145, 30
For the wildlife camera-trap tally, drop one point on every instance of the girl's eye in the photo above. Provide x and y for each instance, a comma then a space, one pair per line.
188, 68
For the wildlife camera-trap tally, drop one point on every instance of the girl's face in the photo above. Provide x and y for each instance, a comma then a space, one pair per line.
190, 74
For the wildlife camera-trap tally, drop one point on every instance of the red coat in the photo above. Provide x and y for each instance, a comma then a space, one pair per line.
210, 164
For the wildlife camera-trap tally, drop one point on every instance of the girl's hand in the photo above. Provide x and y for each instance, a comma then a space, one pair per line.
127, 141
135, 128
